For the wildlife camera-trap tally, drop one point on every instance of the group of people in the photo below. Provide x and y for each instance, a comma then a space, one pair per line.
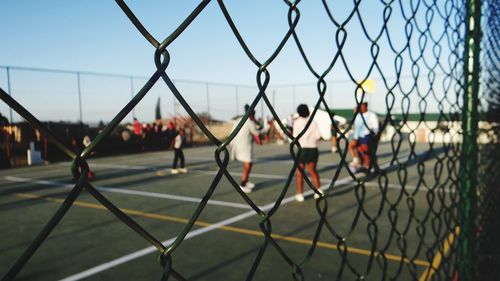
153, 136
360, 146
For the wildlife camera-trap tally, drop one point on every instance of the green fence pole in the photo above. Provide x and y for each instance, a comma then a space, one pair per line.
469, 158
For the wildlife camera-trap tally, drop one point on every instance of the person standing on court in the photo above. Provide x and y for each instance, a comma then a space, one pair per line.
242, 147
363, 140
137, 127
179, 141
334, 133
308, 156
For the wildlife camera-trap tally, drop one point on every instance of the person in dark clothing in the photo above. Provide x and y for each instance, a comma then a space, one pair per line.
178, 154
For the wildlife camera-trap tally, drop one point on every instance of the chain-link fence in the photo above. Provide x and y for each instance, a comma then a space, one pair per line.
425, 56
488, 228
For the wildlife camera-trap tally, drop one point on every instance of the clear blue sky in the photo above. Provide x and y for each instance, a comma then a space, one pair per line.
96, 36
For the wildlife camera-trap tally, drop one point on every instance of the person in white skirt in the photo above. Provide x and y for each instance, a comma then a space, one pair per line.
242, 148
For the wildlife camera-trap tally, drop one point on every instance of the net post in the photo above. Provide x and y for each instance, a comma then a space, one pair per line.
469, 153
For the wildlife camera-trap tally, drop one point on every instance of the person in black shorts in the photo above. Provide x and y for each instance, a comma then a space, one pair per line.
308, 157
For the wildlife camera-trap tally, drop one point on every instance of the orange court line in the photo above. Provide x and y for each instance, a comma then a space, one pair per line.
436, 262
231, 229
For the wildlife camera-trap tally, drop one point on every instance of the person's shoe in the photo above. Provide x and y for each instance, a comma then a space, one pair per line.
355, 161
353, 168
246, 189
334, 149
174, 171
250, 185
299, 197
183, 170
316, 195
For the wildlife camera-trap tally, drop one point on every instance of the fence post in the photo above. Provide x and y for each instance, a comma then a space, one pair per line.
237, 102
132, 94
10, 93
208, 104
79, 97
469, 153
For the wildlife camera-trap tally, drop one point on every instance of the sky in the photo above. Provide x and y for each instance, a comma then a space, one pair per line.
96, 36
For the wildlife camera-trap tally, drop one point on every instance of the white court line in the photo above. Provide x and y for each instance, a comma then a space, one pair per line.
102, 267
119, 166
169, 159
133, 192
105, 266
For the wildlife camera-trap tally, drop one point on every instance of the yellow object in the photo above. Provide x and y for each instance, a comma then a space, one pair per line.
368, 85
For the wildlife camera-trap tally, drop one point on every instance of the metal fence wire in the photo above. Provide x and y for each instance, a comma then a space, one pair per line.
440, 51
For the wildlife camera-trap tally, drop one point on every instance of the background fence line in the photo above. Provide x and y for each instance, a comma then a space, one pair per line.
213, 98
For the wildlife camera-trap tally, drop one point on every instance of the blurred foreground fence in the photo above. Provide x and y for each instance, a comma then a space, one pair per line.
438, 68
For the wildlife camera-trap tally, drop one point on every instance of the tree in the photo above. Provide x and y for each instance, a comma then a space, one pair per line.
158, 109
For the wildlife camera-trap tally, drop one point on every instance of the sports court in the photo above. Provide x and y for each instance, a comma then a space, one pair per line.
92, 244
404, 93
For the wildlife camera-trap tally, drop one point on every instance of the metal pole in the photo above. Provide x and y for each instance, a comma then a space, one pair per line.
208, 104
237, 102
79, 97
262, 110
331, 97
469, 158
174, 102
274, 99
132, 94
10, 92
174, 105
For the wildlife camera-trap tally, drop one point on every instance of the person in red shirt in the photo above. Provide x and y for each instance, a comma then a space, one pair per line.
137, 127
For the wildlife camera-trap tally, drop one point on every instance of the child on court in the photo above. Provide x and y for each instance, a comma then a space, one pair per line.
178, 154
363, 140
308, 156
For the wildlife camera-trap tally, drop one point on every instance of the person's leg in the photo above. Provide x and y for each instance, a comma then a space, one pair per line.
311, 168
176, 159
299, 179
181, 157
334, 143
247, 167
353, 149
365, 155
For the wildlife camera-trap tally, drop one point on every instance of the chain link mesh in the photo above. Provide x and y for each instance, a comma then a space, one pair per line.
432, 54
488, 228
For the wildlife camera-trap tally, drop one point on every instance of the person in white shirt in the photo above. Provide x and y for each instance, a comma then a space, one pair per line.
360, 147
242, 147
308, 156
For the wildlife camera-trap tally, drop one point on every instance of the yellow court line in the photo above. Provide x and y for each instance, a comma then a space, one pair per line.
436, 262
231, 229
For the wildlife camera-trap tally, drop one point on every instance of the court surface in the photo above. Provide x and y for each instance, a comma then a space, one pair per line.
91, 243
